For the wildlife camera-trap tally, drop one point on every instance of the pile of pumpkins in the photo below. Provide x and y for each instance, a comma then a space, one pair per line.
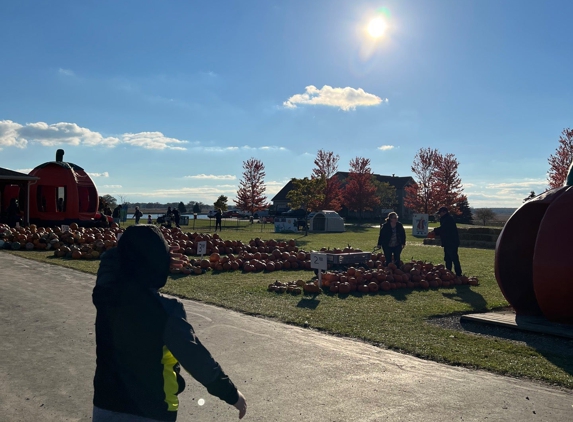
411, 275
75, 243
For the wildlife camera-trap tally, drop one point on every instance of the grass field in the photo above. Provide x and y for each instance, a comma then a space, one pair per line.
396, 320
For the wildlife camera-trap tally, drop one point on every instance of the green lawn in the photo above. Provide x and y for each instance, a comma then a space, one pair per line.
395, 319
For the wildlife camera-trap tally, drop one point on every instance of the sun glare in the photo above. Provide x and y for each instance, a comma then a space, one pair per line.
377, 27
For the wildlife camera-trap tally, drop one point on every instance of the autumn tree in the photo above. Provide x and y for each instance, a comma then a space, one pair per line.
107, 201
326, 163
448, 183
221, 203
484, 215
560, 162
386, 194
359, 191
251, 194
307, 193
437, 183
420, 196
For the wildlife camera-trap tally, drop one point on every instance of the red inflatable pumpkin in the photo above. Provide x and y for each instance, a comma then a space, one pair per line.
533, 264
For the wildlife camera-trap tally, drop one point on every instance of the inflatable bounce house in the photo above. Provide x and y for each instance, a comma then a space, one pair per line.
64, 194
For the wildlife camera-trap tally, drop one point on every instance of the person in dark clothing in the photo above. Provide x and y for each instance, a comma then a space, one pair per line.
218, 219
137, 215
143, 337
176, 216
392, 239
117, 215
448, 232
14, 213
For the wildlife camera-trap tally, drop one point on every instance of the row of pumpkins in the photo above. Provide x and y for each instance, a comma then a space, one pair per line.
231, 255
411, 275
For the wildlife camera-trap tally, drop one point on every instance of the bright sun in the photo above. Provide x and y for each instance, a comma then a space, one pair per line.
376, 28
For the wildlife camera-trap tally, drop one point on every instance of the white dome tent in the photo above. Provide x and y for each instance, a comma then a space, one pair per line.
325, 221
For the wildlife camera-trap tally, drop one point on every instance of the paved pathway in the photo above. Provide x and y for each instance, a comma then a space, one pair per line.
47, 356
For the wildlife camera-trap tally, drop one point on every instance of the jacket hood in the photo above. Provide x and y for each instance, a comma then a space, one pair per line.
144, 256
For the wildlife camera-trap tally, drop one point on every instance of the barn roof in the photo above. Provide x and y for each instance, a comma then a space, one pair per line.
6, 174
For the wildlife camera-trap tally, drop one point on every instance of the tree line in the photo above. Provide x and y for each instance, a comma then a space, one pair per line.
436, 177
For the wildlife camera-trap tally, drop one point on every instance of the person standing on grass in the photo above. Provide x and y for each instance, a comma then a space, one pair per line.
143, 337
448, 232
218, 218
392, 239
117, 215
137, 215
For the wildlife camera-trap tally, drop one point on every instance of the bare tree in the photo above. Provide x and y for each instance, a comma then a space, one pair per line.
484, 215
251, 194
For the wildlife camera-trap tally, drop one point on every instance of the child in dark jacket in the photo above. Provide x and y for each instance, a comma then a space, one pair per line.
143, 337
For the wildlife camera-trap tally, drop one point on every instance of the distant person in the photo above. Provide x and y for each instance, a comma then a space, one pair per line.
168, 217
117, 215
14, 213
448, 232
392, 239
143, 338
176, 216
137, 214
107, 211
218, 219
149, 219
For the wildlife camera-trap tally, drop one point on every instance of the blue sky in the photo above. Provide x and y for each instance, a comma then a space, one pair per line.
165, 100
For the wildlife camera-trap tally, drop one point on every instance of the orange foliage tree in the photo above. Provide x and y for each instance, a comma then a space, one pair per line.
360, 191
437, 183
560, 162
327, 166
251, 194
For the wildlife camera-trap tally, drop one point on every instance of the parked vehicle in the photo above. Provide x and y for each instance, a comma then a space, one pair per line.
231, 214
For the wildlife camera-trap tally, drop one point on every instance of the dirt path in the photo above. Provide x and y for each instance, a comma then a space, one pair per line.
287, 373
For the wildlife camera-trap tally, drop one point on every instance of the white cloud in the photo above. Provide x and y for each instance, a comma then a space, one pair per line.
111, 186
212, 177
344, 98
54, 134
26, 171
9, 135
386, 147
507, 194
16, 135
104, 174
526, 184
152, 140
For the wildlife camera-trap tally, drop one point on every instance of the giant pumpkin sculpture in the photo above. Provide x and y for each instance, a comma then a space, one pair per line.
534, 256
64, 194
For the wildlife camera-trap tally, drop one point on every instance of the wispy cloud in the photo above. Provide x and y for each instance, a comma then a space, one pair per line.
243, 148
506, 194
211, 177
111, 186
344, 98
66, 72
386, 147
104, 174
152, 140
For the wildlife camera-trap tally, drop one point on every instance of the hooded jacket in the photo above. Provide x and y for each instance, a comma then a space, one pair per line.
142, 337
448, 231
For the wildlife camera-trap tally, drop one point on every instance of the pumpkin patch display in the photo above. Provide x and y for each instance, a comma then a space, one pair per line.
533, 256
